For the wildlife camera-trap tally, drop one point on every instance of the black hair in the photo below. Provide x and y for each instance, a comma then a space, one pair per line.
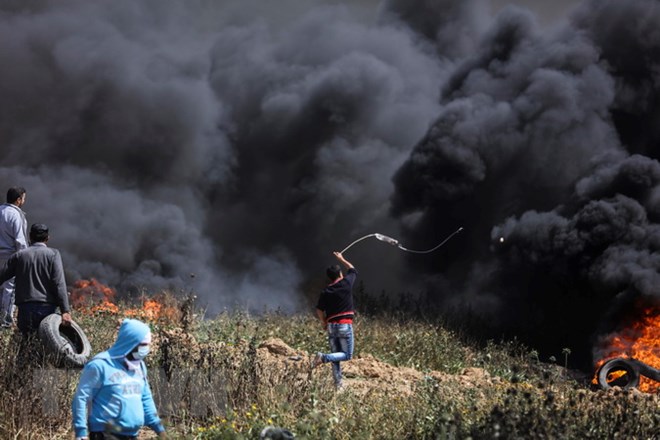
333, 272
14, 193
38, 233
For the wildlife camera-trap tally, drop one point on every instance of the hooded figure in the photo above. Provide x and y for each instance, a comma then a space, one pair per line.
113, 395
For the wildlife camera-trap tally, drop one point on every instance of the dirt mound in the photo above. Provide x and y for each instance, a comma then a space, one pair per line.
365, 373
277, 347
275, 359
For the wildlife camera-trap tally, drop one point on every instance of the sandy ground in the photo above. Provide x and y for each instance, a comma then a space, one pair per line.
365, 373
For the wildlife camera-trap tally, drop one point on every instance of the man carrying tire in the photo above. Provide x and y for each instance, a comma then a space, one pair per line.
39, 282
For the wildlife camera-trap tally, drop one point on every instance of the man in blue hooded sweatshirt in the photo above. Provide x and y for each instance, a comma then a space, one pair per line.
113, 399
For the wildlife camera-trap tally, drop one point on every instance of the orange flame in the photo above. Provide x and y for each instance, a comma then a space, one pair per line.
94, 298
611, 377
640, 341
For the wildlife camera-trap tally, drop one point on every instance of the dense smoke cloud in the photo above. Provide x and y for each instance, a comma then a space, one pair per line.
235, 141
626, 34
537, 135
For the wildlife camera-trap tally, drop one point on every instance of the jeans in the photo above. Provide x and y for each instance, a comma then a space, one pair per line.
340, 337
6, 300
31, 314
30, 351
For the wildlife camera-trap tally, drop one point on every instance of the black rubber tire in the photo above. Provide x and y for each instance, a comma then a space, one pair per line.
69, 344
631, 379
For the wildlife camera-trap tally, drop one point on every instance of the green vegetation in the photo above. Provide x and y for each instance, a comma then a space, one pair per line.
227, 389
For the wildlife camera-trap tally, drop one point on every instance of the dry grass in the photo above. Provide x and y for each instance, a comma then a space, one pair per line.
212, 382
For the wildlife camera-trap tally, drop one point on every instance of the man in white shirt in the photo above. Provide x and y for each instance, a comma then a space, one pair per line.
13, 238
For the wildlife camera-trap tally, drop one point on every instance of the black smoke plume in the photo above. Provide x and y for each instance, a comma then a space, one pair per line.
545, 150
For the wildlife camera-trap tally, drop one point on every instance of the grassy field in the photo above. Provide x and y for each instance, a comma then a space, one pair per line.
213, 381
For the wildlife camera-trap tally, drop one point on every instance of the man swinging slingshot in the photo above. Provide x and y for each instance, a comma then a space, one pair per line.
335, 311
335, 306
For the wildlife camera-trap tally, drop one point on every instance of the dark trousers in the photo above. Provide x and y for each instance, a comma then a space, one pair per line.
107, 436
31, 314
30, 351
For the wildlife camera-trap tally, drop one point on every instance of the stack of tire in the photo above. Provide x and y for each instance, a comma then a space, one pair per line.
67, 343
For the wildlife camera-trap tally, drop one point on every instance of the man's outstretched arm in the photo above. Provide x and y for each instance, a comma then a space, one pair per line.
343, 260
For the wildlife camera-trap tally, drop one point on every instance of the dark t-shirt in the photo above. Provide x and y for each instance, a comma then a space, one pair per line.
336, 299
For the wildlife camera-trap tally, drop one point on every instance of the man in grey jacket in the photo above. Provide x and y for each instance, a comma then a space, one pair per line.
13, 238
40, 285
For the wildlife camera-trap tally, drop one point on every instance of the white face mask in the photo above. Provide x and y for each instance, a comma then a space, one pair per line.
141, 353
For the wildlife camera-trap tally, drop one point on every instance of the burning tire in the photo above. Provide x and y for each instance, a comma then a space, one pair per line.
69, 344
618, 372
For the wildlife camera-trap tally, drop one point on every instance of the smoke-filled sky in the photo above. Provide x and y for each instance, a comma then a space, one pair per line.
228, 147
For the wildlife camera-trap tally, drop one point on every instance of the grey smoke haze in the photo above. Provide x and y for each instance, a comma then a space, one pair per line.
243, 142
451, 26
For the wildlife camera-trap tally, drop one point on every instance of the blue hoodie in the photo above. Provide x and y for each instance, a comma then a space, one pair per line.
118, 398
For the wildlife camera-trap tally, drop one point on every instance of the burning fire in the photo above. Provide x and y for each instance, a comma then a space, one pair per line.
640, 341
92, 297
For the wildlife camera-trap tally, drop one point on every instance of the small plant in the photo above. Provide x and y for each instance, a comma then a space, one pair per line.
566, 352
